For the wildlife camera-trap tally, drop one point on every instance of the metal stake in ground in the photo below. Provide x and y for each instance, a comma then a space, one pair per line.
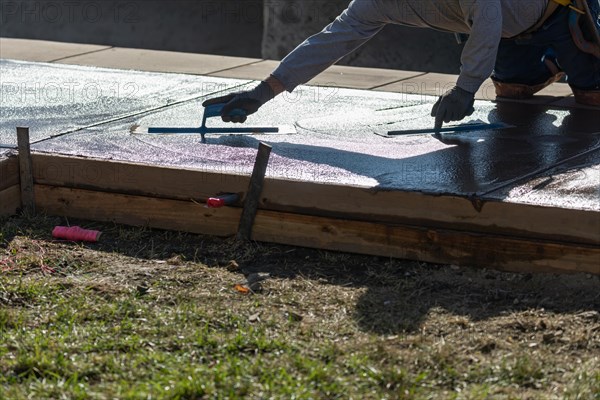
254, 191
25, 170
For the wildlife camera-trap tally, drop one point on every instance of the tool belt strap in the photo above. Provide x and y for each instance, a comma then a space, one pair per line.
584, 29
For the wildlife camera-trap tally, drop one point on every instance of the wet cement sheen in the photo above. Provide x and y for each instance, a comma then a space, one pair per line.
335, 140
53, 99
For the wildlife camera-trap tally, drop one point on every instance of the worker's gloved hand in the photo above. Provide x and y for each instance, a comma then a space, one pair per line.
249, 101
453, 105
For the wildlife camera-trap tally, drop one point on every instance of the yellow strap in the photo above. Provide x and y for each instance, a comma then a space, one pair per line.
568, 3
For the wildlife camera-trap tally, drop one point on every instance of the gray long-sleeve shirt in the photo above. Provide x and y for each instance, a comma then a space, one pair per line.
486, 21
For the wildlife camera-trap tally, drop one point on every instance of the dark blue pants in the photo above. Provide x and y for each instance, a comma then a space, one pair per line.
520, 60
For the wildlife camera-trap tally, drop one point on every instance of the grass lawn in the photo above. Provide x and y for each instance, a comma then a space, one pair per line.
149, 314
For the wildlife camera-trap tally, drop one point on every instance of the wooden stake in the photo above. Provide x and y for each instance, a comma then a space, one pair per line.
25, 170
254, 191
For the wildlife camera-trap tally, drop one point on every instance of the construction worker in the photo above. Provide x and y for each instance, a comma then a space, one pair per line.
524, 45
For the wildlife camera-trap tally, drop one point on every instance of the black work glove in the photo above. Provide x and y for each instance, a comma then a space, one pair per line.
249, 101
453, 105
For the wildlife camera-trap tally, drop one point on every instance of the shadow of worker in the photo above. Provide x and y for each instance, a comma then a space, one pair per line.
409, 297
541, 141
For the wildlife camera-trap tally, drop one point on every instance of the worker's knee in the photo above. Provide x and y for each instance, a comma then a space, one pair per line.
523, 91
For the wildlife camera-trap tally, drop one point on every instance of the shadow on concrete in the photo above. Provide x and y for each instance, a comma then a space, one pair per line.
400, 294
475, 163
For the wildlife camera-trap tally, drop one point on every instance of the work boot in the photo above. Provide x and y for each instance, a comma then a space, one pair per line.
587, 97
523, 91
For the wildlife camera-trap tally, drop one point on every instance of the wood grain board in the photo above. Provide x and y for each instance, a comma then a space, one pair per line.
10, 200
326, 200
411, 225
9, 172
390, 240
10, 191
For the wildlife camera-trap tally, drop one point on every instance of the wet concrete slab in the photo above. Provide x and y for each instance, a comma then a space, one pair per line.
296, 156
572, 184
55, 99
336, 141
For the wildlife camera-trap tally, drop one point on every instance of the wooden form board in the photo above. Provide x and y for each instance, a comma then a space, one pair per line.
441, 229
393, 240
10, 191
9, 172
325, 200
10, 200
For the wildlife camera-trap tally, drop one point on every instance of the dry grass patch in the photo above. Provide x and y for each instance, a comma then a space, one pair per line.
152, 314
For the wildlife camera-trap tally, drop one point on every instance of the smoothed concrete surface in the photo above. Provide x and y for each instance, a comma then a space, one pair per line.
336, 140
573, 184
53, 99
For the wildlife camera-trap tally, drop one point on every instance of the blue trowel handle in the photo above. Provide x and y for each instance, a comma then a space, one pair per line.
214, 110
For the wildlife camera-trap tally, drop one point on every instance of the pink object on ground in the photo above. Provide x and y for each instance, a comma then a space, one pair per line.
222, 200
76, 234
215, 202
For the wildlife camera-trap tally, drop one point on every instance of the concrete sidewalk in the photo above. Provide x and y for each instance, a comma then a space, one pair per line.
412, 82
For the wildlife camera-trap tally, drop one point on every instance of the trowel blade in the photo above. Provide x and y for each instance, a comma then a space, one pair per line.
281, 130
466, 127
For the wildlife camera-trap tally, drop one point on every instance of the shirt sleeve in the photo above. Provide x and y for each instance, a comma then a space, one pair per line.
354, 27
479, 54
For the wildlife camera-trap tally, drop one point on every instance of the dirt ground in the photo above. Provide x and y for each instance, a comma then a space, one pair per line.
314, 324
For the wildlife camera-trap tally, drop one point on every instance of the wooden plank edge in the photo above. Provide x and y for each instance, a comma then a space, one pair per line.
429, 245
9, 172
325, 200
10, 201
178, 215
398, 241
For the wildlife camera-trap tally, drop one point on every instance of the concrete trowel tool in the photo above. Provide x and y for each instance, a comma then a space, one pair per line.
468, 127
214, 110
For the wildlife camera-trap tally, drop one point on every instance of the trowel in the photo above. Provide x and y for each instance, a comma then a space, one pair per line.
471, 126
214, 110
